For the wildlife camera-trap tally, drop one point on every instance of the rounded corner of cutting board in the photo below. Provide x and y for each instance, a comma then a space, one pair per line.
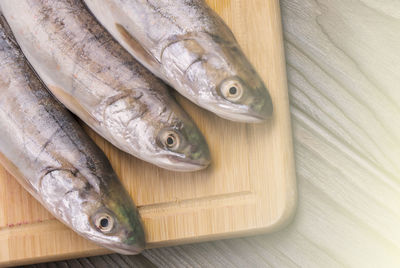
288, 211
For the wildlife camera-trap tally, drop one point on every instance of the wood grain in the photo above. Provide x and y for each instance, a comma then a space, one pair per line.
250, 187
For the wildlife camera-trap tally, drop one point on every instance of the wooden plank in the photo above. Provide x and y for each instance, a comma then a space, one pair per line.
250, 187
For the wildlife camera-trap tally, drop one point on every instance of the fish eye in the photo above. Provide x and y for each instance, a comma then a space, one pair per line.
232, 90
104, 222
170, 140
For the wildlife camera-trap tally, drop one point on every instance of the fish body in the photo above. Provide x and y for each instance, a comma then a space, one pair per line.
52, 157
94, 77
190, 47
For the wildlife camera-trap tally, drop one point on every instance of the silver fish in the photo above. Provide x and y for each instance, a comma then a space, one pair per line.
52, 157
94, 77
188, 45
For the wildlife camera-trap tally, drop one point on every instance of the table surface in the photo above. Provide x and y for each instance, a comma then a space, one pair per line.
343, 62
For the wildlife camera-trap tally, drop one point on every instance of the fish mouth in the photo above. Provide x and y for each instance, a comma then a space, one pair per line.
244, 117
119, 247
248, 118
186, 165
241, 113
257, 114
126, 249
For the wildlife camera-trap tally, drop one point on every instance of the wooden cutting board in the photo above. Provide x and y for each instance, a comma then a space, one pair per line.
250, 187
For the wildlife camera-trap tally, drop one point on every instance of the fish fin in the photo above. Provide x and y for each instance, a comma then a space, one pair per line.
141, 53
72, 104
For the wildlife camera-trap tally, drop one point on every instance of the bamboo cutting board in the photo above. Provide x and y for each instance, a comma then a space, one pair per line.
250, 187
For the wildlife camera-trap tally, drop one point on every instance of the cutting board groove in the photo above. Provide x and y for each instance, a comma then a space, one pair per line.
249, 188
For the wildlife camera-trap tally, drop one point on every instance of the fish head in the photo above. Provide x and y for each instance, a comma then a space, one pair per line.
181, 145
116, 221
152, 126
96, 206
219, 77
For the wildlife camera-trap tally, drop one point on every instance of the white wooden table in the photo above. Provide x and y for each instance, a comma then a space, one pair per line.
343, 60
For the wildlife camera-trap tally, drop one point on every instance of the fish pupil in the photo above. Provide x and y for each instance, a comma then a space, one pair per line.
233, 90
170, 140
104, 223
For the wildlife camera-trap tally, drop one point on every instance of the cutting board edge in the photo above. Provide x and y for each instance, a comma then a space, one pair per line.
280, 224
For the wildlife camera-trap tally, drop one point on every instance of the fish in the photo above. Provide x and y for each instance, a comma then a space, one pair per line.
186, 43
50, 155
100, 82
